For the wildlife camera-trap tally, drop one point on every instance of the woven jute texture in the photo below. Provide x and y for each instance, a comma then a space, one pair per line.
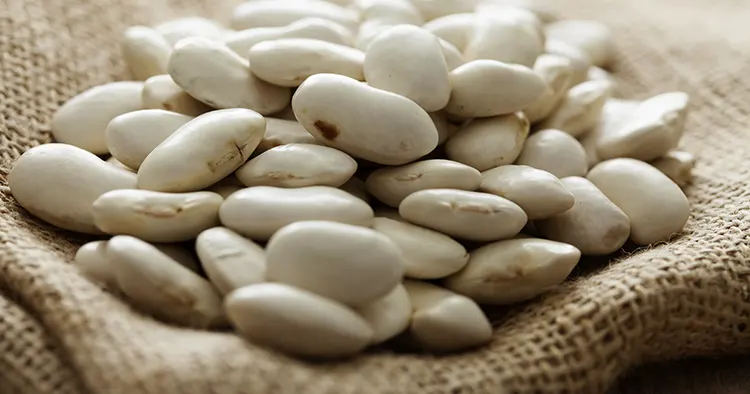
59, 333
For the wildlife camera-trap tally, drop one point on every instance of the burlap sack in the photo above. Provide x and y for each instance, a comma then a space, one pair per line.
60, 333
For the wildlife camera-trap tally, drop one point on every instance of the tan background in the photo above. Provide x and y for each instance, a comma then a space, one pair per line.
729, 375
61, 334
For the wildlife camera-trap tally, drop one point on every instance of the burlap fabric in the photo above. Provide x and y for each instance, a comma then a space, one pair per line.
60, 333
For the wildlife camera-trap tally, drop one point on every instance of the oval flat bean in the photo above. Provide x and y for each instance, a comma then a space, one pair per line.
615, 113
539, 193
161, 92
145, 51
155, 216
504, 38
445, 321
258, 212
298, 165
409, 61
83, 119
269, 13
131, 137
557, 72
91, 260
591, 37
177, 29
230, 260
489, 142
161, 286
514, 270
389, 315
654, 215
475, 94
594, 225
556, 152
350, 264
580, 62
58, 183
394, 130
677, 165
427, 254
297, 321
392, 184
203, 151
316, 28
454, 28
467, 215
212, 73
652, 130
289, 61
580, 109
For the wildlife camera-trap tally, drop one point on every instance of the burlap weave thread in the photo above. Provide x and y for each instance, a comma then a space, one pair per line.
60, 333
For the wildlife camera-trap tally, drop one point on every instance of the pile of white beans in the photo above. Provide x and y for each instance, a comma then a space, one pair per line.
349, 171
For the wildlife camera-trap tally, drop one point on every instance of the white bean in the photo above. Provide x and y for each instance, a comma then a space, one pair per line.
91, 260
489, 142
652, 130
161, 92
428, 254
615, 113
58, 183
594, 225
269, 13
409, 61
389, 315
131, 137
580, 109
155, 216
83, 119
392, 184
289, 61
316, 28
258, 212
539, 193
557, 72
514, 270
282, 132
504, 38
145, 51
475, 92
349, 264
363, 121
445, 321
655, 205
203, 151
230, 260
467, 215
591, 37
677, 165
212, 73
159, 285
297, 322
454, 28
177, 29
556, 152
298, 165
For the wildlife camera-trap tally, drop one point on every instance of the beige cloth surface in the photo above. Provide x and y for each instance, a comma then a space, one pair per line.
60, 333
